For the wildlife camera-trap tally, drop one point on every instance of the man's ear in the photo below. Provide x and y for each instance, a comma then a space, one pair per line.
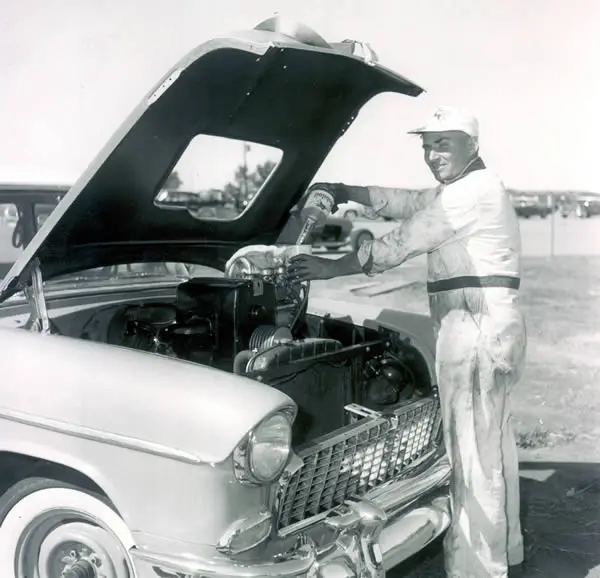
474, 145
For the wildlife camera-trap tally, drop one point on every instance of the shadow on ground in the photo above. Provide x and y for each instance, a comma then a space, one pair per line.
560, 513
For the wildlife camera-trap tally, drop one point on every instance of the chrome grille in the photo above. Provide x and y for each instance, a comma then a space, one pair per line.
359, 458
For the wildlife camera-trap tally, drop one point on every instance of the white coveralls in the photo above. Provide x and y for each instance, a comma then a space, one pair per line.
469, 228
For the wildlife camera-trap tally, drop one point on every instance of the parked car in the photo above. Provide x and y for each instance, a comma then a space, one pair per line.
350, 210
25, 208
530, 206
333, 234
209, 204
210, 418
587, 205
336, 233
565, 204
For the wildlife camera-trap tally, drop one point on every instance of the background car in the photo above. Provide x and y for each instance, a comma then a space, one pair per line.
24, 208
587, 205
350, 211
336, 233
528, 205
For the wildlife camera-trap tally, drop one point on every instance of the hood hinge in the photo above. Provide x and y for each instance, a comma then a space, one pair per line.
38, 322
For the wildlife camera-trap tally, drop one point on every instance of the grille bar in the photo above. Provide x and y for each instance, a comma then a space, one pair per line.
358, 458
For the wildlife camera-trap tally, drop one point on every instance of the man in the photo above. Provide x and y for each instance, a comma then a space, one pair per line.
470, 233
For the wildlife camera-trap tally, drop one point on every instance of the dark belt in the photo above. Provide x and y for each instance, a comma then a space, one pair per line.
472, 281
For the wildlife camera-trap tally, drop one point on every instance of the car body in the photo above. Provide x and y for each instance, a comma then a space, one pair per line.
350, 210
331, 234
586, 205
565, 204
172, 404
336, 233
24, 209
529, 205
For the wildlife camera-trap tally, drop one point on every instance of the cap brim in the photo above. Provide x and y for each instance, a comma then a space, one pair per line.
432, 128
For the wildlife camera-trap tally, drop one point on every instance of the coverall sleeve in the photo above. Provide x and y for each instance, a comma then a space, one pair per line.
396, 203
448, 217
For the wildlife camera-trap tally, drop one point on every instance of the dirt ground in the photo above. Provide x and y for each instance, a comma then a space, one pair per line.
556, 410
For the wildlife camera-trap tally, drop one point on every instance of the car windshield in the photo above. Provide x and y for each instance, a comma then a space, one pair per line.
128, 271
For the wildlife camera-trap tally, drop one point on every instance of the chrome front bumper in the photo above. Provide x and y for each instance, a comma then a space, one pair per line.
373, 535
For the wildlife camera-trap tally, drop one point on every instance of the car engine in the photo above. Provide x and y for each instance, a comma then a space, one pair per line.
254, 322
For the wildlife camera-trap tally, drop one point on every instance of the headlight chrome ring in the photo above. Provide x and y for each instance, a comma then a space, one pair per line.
265, 452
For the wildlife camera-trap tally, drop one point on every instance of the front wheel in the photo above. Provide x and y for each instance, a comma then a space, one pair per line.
360, 237
49, 529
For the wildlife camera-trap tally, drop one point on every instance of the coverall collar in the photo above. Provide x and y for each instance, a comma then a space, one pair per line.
475, 164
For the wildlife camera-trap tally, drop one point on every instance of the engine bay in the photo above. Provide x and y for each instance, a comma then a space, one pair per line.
254, 322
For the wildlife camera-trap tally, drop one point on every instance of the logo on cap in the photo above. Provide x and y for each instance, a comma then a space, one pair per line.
440, 113
446, 119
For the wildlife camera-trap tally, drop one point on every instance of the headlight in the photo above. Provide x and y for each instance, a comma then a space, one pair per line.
265, 453
269, 448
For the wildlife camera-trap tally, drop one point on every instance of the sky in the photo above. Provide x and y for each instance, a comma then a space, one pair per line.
72, 70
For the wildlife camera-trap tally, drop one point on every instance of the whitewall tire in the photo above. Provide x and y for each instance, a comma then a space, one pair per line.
47, 527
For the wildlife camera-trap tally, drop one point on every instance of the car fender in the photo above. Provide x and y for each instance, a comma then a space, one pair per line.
51, 456
190, 412
155, 496
154, 434
417, 328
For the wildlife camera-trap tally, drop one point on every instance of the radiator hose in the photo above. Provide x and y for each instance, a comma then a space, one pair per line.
241, 361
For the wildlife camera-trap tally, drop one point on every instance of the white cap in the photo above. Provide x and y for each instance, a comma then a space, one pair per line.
446, 119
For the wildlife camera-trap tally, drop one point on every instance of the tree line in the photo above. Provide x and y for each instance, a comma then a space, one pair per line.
245, 184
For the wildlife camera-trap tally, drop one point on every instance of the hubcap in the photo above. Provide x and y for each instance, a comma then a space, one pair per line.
59, 547
364, 239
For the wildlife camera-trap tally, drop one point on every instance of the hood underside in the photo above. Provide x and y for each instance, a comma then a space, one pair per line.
259, 86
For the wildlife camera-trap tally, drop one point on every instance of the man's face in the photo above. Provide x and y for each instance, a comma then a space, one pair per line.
447, 153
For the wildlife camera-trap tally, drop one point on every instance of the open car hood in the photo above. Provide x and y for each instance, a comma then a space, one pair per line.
279, 85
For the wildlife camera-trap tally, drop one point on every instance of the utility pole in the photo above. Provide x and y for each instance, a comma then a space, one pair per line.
551, 204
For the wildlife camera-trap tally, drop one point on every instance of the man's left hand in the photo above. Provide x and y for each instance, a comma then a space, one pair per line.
309, 268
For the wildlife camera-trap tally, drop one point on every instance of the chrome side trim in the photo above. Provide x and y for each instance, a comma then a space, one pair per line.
99, 436
297, 562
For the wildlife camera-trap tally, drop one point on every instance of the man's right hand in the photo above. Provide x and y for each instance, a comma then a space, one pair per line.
339, 191
345, 193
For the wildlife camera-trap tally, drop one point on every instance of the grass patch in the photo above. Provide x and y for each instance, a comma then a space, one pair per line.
557, 401
536, 438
